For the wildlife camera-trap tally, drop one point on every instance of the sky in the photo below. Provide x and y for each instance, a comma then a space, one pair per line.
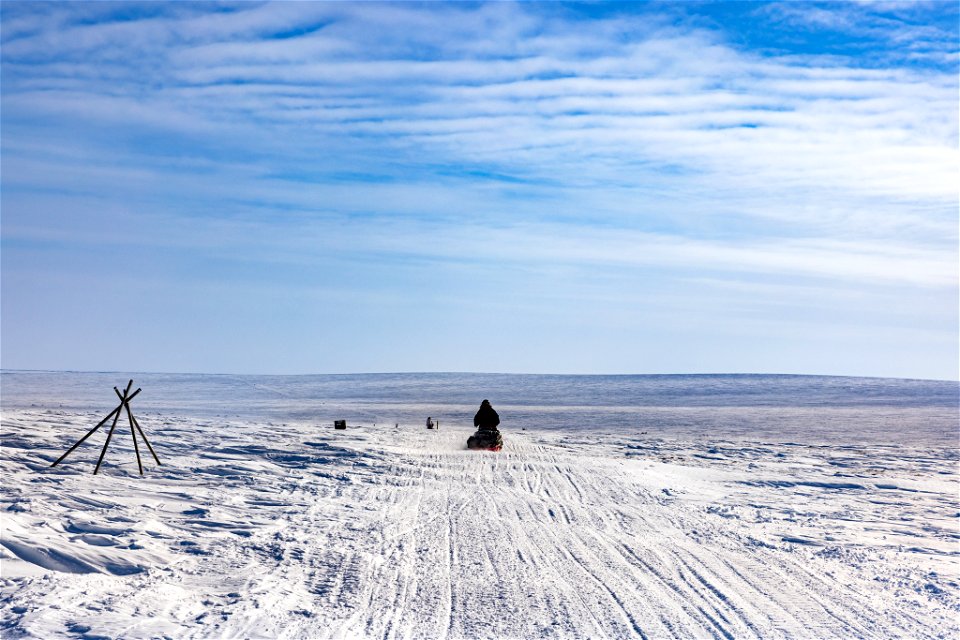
663, 187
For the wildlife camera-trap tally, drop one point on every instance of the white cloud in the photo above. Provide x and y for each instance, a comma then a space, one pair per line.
660, 95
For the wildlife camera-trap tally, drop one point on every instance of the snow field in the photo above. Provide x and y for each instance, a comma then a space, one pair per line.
293, 530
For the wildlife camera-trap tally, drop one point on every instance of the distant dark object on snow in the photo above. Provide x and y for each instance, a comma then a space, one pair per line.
339, 424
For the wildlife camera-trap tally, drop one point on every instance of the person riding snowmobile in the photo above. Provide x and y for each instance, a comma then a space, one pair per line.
486, 418
487, 435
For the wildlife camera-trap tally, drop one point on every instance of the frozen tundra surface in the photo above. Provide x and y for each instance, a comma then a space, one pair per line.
258, 528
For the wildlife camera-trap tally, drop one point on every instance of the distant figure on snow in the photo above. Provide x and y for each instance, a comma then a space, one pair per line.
486, 418
429, 423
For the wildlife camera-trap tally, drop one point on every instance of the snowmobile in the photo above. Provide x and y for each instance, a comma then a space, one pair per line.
489, 439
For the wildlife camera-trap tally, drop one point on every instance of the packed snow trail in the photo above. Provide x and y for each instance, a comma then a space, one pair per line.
287, 530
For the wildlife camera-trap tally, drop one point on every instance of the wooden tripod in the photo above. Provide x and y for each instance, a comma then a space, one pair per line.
125, 399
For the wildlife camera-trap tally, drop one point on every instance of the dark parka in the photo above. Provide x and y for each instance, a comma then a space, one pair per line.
486, 418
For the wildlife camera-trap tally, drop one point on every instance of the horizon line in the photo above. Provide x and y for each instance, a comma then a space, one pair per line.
487, 373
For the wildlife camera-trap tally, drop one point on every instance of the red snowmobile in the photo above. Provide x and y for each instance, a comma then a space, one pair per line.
491, 440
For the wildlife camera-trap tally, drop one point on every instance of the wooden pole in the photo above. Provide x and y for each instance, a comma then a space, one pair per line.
89, 433
113, 426
133, 435
144, 436
136, 424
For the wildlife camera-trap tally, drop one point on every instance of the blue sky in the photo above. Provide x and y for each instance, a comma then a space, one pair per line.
549, 188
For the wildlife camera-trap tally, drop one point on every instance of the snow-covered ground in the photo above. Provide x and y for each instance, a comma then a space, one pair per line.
257, 528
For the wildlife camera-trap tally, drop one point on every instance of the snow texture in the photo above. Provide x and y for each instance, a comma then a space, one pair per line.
261, 528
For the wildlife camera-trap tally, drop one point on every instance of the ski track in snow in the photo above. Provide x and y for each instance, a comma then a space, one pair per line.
292, 530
